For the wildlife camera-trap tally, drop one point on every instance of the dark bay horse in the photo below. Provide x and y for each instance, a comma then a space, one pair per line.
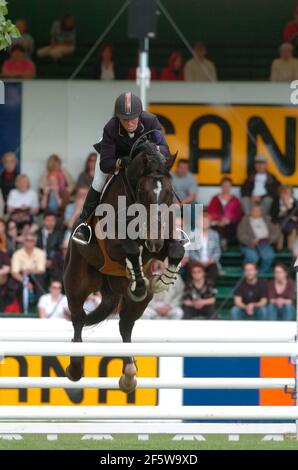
121, 268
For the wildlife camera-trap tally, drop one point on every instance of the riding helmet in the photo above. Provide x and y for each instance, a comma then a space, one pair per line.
128, 106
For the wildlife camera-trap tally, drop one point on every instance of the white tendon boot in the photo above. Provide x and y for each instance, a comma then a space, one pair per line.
164, 281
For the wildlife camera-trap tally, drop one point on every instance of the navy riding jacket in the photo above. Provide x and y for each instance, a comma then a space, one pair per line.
117, 143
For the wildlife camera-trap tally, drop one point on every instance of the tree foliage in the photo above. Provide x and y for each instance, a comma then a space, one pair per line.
8, 31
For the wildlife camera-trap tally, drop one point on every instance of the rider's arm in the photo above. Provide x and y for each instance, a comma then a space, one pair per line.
158, 138
108, 156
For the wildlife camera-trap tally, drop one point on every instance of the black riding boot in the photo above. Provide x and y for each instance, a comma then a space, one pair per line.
83, 233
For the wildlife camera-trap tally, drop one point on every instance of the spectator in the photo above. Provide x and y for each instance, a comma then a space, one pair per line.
63, 38
13, 237
26, 40
290, 33
184, 182
86, 177
53, 304
28, 265
225, 213
200, 69
199, 295
73, 209
281, 295
18, 65
209, 253
166, 305
49, 238
256, 234
250, 296
2, 205
8, 174
285, 68
22, 202
58, 261
284, 212
174, 69
260, 186
53, 198
4, 268
104, 67
54, 167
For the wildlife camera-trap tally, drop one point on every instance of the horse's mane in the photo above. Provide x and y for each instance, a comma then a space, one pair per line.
156, 161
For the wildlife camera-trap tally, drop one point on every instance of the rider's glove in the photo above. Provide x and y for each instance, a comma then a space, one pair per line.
124, 161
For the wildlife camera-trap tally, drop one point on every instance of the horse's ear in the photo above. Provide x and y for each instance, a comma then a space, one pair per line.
171, 160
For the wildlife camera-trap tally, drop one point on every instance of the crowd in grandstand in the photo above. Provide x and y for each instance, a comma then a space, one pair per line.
63, 41
35, 229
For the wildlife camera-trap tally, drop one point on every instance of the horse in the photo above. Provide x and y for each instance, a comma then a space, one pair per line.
121, 268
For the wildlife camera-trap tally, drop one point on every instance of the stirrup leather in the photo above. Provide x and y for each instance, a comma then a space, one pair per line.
77, 240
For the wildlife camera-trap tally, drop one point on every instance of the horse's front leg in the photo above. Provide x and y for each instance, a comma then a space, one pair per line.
173, 256
137, 289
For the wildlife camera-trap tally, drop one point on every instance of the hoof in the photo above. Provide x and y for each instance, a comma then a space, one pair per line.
128, 381
140, 293
74, 372
157, 285
127, 384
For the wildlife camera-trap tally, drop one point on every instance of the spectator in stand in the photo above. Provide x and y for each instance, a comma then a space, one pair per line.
54, 199
18, 65
73, 209
8, 174
92, 302
284, 213
209, 253
2, 205
58, 261
49, 238
174, 69
4, 267
166, 305
199, 295
104, 67
53, 304
285, 68
54, 167
86, 177
225, 213
256, 234
184, 182
250, 296
22, 202
14, 240
281, 295
260, 186
290, 33
200, 69
63, 38
28, 266
26, 40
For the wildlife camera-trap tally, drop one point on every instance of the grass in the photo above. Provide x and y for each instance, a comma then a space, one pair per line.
155, 442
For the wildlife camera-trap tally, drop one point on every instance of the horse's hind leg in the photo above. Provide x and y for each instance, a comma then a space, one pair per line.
78, 317
129, 313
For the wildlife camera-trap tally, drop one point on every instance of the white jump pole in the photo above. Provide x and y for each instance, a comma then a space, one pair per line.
150, 349
148, 412
147, 383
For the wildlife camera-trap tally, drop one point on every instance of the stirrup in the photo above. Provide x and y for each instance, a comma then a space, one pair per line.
78, 240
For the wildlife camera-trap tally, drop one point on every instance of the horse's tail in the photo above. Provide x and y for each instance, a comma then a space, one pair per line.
109, 305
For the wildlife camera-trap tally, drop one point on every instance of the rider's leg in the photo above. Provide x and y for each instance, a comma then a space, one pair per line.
83, 233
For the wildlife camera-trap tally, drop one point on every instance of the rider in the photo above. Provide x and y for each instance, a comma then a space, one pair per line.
129, 123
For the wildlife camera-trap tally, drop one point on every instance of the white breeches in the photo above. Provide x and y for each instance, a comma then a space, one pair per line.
99, 177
